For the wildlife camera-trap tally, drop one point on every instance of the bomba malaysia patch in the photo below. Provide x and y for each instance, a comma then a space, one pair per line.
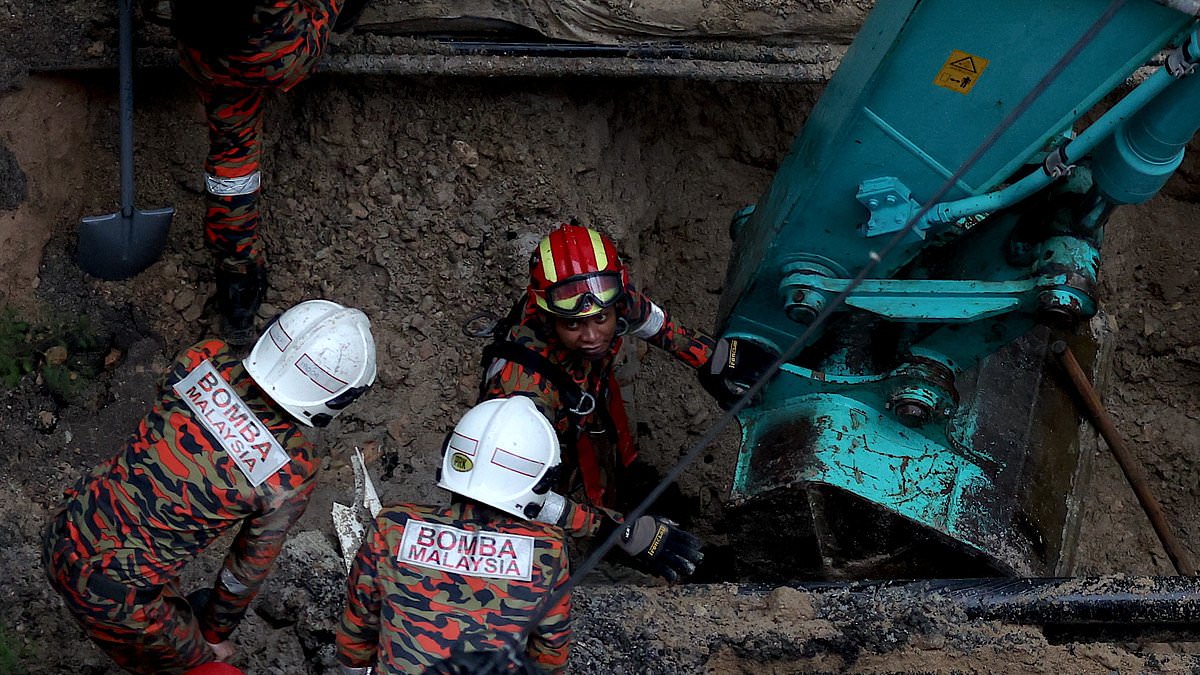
477, 553
225, 415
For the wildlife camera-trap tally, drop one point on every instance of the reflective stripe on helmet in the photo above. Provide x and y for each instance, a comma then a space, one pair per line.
498, 454
314, 360
571, 250
232, 187
546, 255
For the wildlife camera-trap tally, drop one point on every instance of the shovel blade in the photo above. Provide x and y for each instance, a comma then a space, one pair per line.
116, 246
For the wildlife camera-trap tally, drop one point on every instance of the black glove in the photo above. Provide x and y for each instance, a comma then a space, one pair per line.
734, 367
661, 546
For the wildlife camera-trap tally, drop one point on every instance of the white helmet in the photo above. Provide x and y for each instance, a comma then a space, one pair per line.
314, 360
503, 453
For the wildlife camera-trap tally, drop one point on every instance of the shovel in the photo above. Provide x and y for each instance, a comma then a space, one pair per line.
119, 245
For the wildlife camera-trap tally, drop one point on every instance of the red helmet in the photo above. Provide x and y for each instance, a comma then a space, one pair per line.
215, 668
576, 272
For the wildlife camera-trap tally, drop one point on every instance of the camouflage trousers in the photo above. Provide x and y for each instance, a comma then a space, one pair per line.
144, 630
233, 91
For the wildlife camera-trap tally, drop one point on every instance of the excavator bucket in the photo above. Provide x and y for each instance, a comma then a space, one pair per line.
935, 226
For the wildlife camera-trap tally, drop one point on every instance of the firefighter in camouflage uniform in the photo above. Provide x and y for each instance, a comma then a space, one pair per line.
222, 449
558, 344
238, 52
431, 583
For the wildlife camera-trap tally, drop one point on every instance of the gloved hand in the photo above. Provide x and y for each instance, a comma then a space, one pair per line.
662, 546
734, 367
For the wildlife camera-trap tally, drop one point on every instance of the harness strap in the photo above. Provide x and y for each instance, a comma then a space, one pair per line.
573, 396
579, 404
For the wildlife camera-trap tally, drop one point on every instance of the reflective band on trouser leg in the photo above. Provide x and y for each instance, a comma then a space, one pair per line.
235, 585
232, 187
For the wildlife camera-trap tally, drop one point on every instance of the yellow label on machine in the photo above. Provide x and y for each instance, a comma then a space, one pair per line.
960, 72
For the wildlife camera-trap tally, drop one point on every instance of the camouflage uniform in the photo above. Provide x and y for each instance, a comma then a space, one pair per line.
280, 42
589, 467
114, 550
403, 617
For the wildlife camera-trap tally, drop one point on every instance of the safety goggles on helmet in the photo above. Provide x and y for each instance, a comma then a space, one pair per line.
584, 295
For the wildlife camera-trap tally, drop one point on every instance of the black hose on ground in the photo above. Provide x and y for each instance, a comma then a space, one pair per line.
1089, 608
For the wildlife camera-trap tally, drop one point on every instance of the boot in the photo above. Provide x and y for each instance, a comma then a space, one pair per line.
241, 287
348, 17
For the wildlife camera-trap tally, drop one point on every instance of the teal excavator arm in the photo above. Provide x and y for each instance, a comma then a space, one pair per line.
947, 163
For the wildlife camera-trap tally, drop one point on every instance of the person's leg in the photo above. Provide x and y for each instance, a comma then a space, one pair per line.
298, 54
232, 179
158, 636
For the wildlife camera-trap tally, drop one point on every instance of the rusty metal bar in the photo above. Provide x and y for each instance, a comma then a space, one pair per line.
1132, 469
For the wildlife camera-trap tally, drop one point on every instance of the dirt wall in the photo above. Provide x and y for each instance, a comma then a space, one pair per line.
418, 200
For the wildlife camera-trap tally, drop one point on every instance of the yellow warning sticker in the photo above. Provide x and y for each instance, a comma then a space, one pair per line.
960, 72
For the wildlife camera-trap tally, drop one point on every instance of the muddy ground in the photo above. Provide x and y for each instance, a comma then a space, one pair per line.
418, 201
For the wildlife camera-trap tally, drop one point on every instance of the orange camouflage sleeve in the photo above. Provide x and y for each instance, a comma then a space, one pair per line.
358, 633
254, 550
583, 521
653, 324
513, 379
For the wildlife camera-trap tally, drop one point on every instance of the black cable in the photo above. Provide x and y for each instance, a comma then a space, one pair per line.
794, 349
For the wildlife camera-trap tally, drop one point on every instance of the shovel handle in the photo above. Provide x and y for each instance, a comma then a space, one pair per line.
125, 102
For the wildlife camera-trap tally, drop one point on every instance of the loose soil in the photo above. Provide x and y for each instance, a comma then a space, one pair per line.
418, 201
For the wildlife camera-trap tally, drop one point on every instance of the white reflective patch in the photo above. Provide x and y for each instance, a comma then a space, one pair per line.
233, 583
279, 336
231, 187
653, 323
496, 367
517, 463
479, 553
320, 377
463, 444
225, 415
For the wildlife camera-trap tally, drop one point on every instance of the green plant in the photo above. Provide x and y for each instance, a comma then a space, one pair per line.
64, 351
11, 654
17, 354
